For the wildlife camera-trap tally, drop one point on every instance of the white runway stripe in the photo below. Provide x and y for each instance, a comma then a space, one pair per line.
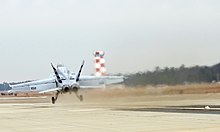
86, 110
22, 98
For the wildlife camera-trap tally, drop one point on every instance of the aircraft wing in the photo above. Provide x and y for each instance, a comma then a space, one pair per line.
99, 81
38, 85
49, 85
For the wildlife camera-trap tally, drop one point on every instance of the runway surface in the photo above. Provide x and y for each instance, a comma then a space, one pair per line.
154, 113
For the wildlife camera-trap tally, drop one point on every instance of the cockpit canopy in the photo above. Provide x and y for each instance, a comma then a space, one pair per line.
60, 65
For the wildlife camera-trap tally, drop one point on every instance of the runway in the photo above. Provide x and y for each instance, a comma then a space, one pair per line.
116, 114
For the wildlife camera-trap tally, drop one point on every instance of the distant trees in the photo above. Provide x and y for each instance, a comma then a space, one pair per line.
173, 76
166, 75
4, 86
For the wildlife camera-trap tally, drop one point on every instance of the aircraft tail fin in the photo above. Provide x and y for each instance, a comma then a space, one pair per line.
100, 63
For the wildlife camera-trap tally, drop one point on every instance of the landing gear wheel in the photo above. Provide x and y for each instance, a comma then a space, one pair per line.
81, 98
53, 100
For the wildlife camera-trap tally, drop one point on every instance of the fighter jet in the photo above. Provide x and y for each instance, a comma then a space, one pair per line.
63, 81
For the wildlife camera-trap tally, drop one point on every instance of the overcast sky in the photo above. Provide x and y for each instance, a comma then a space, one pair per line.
137, 35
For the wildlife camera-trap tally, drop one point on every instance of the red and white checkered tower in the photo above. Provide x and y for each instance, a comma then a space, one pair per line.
100, 63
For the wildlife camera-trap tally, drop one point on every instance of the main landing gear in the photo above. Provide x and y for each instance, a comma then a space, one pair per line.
80, 97
54, 99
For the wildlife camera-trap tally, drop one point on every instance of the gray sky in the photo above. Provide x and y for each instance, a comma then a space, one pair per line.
136, 35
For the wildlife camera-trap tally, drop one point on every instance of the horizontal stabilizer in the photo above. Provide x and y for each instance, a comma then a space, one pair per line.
92, 87
50, 90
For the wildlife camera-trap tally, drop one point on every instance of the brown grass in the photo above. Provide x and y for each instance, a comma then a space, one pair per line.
193, 89
159, 90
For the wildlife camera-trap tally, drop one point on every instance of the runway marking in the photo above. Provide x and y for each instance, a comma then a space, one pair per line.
199, 109
25, 105
23, 98
87, 110
176, 110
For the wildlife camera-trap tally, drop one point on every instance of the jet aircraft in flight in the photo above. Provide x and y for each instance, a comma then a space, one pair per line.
63, 81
